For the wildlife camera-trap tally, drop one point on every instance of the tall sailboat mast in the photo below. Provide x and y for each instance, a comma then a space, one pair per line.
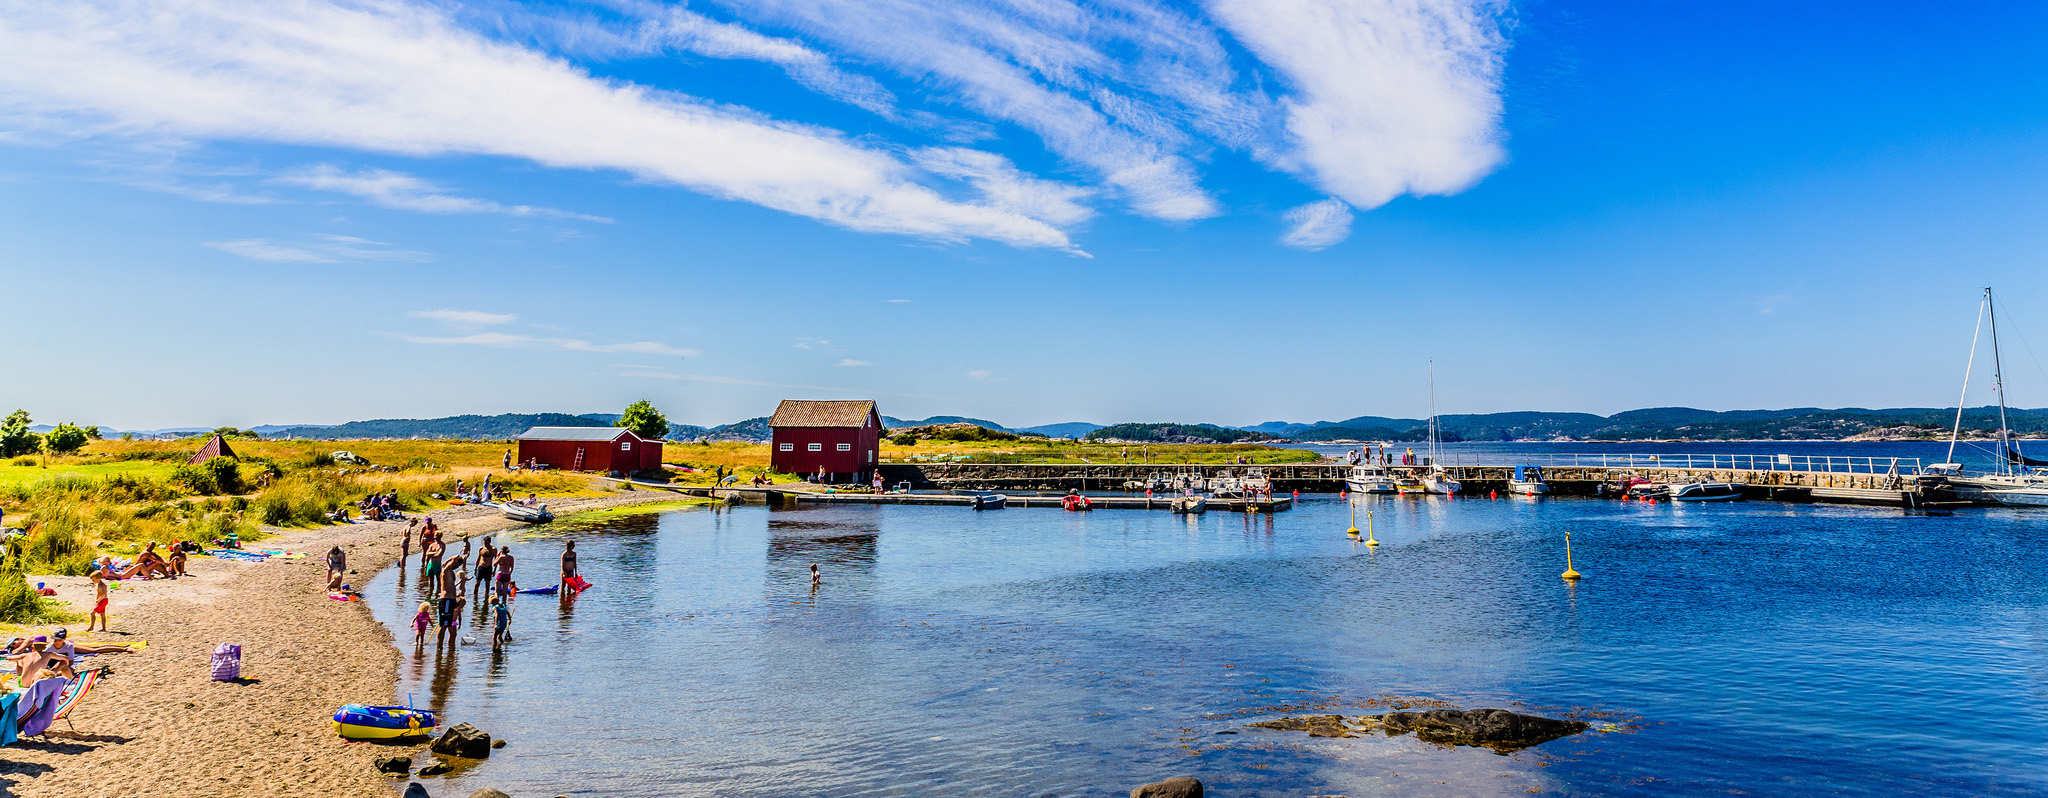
1968, 366
2005, 448
1432, 412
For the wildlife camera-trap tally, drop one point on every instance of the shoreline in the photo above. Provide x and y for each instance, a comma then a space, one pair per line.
158, 725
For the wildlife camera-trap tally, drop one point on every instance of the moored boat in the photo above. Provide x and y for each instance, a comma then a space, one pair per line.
533, 515
991, 501
359, 722
1706, 492
1409, 485
1440, 482
1191, 504
1528, 481
1369, 479
1075, 501
2020, 497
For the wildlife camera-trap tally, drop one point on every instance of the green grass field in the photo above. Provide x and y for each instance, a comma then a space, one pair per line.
12, 475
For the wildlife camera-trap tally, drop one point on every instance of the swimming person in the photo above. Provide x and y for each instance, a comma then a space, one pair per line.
504, 571
501, 628
486, 561
568, 562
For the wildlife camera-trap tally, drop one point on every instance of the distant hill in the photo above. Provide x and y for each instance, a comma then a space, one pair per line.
1064, 429
455, 427
1177, 433
894, 423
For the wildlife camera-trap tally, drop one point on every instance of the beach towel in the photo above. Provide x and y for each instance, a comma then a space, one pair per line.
227, 662
38, 707
9, 727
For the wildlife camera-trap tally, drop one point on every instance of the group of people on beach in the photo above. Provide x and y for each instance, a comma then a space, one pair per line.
41, 656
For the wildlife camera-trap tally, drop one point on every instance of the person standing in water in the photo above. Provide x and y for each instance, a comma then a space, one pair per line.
504, 571
486, 562
405, 542
568, 565
816, 579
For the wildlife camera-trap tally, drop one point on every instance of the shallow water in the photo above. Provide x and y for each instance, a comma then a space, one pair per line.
1740, 648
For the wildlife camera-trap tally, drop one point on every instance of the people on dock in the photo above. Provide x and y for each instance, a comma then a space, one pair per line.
568, 563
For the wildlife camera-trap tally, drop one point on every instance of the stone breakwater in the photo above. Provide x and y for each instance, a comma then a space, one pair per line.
1498, 729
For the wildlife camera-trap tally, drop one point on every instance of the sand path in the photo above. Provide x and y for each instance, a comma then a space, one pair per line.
160, 727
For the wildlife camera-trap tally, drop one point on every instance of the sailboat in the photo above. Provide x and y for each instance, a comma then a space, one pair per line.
2016, 479
1439, 480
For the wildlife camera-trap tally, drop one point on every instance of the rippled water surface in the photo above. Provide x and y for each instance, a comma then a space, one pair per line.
1739, 648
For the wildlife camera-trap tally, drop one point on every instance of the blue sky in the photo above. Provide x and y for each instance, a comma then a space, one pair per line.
228, 212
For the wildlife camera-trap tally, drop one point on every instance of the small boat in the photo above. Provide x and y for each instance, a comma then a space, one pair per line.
1706, 492
1409, 486
991, 501
358, 722
1076, 502
1190, 504
2020, 497
1369, 479
533, 515
1440, 482
1528, 481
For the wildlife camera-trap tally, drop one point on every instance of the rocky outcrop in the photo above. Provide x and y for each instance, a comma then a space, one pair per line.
1177, 787
1497, 729
464, 741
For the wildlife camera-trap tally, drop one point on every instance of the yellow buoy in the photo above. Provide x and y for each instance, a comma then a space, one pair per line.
1569, 573
1353, 531
1369, 539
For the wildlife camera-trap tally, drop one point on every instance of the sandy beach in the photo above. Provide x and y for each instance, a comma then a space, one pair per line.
160, 727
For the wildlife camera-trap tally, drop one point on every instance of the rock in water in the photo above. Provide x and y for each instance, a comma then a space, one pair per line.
415, 790
464, 741
1177, 787
1316, 725
1498, 729
498, 743
488, 793
435, 769
395, 765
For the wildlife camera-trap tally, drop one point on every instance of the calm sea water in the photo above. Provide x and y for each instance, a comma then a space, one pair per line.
1739, 648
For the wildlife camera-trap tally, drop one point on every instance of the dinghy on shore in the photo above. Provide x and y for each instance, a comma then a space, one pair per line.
358, 722
536, 514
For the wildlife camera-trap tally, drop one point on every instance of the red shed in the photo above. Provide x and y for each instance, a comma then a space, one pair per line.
589, 449
842, 437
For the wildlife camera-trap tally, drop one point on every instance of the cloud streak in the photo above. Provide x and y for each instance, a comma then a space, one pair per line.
1317, 225
517, 341
464, 318
389, 77
322, 249
401, 191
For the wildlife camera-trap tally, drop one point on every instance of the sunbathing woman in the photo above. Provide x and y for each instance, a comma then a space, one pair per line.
147, 564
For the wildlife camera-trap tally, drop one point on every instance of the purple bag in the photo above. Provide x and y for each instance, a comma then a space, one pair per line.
227, 662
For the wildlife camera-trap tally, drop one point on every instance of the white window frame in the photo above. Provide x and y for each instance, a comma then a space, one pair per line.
845, 447
787, 447
815, 447
625, 446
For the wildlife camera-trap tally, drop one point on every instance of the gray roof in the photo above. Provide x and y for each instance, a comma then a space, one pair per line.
574, 433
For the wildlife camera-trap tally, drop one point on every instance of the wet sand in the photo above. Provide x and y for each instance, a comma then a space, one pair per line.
159, 726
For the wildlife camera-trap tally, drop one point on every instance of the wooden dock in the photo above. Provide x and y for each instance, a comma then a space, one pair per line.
785, 495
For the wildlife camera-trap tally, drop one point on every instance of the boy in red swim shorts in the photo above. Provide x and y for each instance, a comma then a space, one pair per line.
99, 606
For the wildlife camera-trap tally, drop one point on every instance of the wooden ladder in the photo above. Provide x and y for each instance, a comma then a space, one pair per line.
578, 465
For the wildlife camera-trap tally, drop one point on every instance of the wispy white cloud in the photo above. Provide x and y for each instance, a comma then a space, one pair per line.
851, 362
321, 249
1317, 225
464, 318
1391, 97
384, 76
517, 341
981, 374
408, 193
896, 301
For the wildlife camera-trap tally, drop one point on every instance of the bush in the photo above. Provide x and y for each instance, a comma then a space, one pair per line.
25, 461
66, 438
19, 603
53, 544
193, 480
226, 475
905, 439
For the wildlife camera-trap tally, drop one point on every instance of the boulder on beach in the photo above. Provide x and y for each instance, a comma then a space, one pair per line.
465, 741
1497, 729
396, 765
1176, 787
435, 769
416, 790
488, 793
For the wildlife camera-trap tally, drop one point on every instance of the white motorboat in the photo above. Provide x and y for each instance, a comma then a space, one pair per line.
1191, 504
1528, 481
1255, 482
1440, 482
2020, 497
1706, 492
1369, 479
536, 514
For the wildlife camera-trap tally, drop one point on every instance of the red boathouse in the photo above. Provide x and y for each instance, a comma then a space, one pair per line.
843, 438
589, 449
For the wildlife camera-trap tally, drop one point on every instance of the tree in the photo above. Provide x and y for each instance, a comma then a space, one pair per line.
15, 439
644, 420
66, 438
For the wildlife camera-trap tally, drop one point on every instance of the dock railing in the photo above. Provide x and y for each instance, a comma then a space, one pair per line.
1903, 466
